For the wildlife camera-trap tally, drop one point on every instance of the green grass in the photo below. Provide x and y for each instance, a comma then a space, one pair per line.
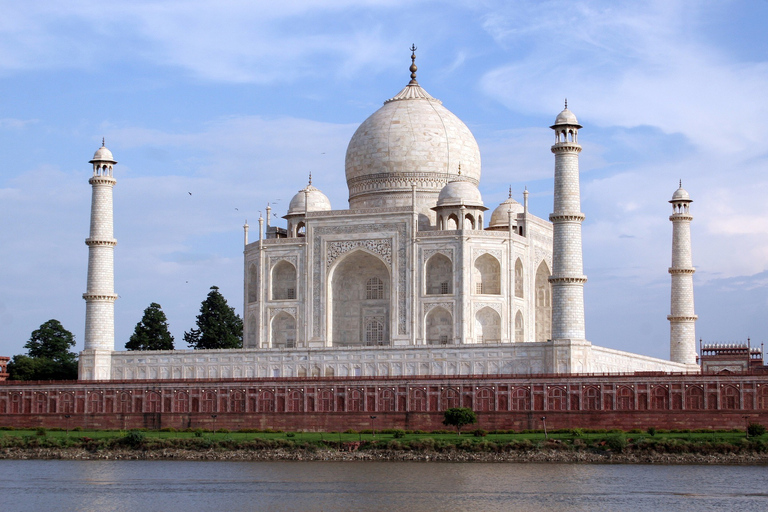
317, 437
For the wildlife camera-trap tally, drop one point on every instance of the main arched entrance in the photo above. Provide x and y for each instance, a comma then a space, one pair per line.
360, 292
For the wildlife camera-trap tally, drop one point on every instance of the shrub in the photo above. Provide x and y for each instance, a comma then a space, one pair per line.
755, 430
576, 432
223, 430
290, 434
199, 432
40, 431
398, 434
616, 443
134, 438
651, 431
168, 429
479, 432
350, 431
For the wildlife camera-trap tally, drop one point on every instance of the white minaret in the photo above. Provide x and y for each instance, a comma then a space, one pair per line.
682, 320
567, 269
95, 360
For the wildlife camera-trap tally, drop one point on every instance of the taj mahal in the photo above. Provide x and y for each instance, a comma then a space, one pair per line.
417, 277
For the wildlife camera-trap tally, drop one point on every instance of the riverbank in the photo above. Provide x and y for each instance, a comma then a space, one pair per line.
532, 456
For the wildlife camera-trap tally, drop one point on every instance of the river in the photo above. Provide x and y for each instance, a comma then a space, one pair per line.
103, 486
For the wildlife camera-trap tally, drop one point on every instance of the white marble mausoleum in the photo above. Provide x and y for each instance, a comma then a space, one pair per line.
417, 276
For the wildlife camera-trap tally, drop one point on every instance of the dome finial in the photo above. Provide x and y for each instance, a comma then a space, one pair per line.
310, 177
510, 192
681, 183
413, 67
459, 168
102, 142
566, 103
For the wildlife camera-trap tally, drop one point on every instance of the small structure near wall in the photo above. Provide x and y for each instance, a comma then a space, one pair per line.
4, 367
731, 358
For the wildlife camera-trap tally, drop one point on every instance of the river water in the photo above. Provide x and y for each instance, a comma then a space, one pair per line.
387, 486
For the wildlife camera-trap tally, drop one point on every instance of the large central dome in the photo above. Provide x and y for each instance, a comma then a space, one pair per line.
412, 139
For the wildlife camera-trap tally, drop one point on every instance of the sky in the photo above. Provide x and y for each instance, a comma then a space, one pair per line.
236, 102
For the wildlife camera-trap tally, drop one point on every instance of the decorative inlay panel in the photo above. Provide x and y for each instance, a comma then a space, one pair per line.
380, 246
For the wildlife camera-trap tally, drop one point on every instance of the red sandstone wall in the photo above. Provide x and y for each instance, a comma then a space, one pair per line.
625, 402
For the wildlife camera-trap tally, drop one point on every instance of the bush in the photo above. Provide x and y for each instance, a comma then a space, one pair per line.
40, 431
651, 431
576, 432
134, 438
199, 432
616, 443
398, 434
479, 432
755, 430
290, 434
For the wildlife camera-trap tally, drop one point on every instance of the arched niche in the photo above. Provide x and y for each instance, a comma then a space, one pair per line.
360, 289
487, 326
519, 328
543, 303
487, 275
519, 286
439, 275
253, 279
283, 281
283, 331
439, 326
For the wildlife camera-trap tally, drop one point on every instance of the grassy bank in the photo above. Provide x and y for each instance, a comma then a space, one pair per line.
565, 445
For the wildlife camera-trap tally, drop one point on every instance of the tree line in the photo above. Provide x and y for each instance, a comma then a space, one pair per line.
49, 355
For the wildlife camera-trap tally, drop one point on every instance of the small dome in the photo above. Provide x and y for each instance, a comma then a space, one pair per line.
315, 201
500, 217
566, 117
460, 192
103, 155
681, 195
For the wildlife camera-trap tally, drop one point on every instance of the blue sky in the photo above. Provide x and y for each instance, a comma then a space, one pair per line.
237, 101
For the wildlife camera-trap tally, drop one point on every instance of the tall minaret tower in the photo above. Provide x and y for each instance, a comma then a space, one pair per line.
95, 360
567, 269
682, 320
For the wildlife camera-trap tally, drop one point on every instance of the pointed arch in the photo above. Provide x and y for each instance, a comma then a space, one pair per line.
519, 285
519, 328
487, 275
253, 285
469, 221
439, 275
283, 281
439, 327
452, 222
543, 303
283, 330
487, 326
359, 296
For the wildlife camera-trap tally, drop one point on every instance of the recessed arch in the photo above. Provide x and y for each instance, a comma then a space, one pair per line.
359, 296
487, 326
543, 303
439, 275
283, 281
283, 330
487, 275
519, 285
439, 326
519, 328
253, 284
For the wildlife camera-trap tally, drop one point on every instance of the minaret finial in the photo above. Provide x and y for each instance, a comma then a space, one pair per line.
566, 103
459, 168
310, 177
102, 142
681, 183
510, 192
413, 67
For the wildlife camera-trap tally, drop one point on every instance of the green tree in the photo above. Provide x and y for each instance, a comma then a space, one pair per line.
217, 324
458, 417
152, 332
48, 355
